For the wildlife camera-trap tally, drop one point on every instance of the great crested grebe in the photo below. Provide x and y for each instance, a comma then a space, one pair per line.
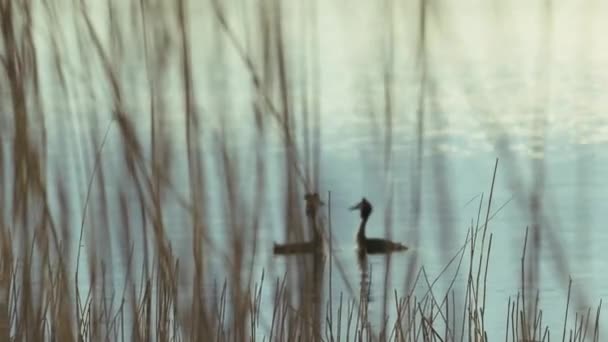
313, 203
372, 246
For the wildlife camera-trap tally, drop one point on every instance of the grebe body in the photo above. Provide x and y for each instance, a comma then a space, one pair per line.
372, 245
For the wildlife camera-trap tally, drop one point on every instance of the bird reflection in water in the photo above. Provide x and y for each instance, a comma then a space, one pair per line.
309, 261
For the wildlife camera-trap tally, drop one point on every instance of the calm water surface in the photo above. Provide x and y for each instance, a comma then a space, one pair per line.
493, 91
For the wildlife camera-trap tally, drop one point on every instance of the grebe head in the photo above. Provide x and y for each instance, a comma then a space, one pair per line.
365, 208
313, 202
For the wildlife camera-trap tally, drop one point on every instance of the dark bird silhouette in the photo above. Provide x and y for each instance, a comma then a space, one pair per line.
372, 246
313, 203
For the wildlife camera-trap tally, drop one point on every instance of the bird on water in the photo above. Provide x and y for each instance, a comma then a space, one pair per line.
313, 203
372, 245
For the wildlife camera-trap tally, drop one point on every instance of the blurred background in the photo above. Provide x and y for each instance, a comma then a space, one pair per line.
154, 151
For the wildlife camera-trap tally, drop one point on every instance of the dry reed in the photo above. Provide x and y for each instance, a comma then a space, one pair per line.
100, 264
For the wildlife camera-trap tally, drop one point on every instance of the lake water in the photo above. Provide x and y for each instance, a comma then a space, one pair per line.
506, 81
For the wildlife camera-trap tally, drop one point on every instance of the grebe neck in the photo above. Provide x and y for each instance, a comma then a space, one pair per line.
316, 234
361, 231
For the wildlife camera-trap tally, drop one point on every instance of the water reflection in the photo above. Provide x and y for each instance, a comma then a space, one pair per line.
364, 283
310, 278
316, 300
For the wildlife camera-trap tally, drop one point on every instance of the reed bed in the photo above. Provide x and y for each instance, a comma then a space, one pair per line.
88, 258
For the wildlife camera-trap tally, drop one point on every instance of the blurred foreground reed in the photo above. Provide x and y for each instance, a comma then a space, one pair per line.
103, 160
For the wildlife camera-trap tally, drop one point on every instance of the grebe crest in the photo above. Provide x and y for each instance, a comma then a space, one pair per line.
365, 208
